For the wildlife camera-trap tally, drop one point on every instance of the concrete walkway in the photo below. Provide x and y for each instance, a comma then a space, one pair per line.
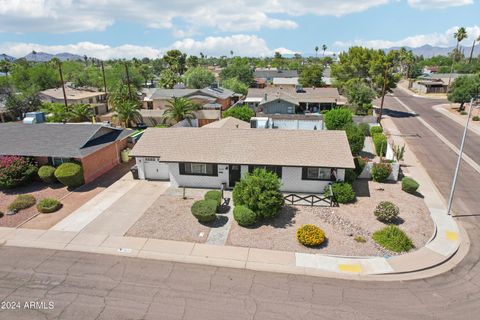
219, 236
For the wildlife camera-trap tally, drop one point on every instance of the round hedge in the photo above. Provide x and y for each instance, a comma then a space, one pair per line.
342, 192
70, 174
49, 205
310, 235
21, 202
386, 211
409, 185
214, 195
244, 216
375, 129
47, 174
204, 210
381, 172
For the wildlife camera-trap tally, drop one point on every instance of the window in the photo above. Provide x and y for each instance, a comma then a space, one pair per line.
198, 169
328, 174
150, 159
57, 161
274, 169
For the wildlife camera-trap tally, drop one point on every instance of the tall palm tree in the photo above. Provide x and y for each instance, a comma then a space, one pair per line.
473, 49
316, 51
460, 35
324, 48
179, 109
231, 53
126, 112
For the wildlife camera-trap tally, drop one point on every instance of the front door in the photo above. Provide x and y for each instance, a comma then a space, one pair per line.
234, 174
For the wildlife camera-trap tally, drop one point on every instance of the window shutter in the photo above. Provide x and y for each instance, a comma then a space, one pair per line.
215, 170
304, 173
279, 171
181, 167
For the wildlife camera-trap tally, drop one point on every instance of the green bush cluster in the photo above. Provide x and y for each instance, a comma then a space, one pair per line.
386, 211
48, 205
380, 142
356, 138
360, 164
244, 216
338, 119
70, 174
375, 129
21, 202
214, 195
476, 118
310, 235
47, 174
204, 210
409, 185
350, 176
393, 238
342, 192
365, 127
381, 171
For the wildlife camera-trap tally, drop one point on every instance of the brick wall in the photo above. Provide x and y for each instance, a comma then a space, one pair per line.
102, 160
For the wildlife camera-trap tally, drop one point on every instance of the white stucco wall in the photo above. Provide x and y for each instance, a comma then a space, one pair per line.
366, 173
178, 180
141, 168
292, 181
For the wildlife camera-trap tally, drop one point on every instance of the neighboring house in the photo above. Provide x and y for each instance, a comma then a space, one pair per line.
283, 82
430, 86
228, 123
212, 96
270, 74
95, 146
289, 122
305, 161
290, 100
96, 99
151, 118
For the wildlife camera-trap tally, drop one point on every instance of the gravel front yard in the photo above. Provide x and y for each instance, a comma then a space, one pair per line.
170, 218
341, 224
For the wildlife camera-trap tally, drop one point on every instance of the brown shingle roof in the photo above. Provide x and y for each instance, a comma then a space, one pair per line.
247, 146
228, 123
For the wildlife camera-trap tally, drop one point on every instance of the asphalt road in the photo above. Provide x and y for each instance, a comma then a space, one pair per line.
91, 286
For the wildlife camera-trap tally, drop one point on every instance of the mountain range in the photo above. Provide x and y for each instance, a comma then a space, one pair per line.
429, 51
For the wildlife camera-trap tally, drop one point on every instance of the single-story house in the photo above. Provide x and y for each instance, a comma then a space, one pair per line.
228, 123
271, 73
96, 99
96, 146
430, 86
293, 100
221, 97
305, 161
282, 82
154, 117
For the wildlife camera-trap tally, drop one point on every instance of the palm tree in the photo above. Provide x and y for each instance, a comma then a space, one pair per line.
179, 109
473, 49
231, 53
81, 112
460, 35
324, 48
316, 51
126, 112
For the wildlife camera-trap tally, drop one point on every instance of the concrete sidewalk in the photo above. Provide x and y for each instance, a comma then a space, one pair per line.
473, 126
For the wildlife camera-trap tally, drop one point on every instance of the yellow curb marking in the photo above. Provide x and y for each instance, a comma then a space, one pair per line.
353, 268
450, 235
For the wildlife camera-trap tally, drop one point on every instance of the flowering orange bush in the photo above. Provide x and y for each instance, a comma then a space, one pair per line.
310, 235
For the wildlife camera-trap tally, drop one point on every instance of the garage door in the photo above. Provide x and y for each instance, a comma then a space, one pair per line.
155, 170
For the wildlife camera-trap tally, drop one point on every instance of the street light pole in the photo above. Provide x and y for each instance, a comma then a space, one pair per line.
459, 161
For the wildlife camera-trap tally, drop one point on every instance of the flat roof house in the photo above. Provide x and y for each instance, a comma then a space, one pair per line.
305, 161
96, 99
95, 146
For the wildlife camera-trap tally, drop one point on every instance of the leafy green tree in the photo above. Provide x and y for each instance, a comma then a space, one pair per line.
55, 112
311, 75
168, 79
179, 109
238, 68
355, 63
359, 95
243, 113
176, 61
235, 85
198, 78
17, 104
146, 72
338, 119
464, 89
192, 61
356, 138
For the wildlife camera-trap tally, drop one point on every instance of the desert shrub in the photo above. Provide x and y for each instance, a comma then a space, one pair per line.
365, 127
360, 239
48, 205
381, 171
356, 138
409, 185
342, 192
16, 171
47, 174
260, 192
380, 142
360, 164
350, 176
476, 118
310, 235
70, 174
375, 129
214, 195
463, 113
386, 211
393, 238
204, 210
338, 119
244, 216
21, 202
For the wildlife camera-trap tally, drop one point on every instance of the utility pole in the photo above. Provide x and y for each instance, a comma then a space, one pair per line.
63, 85
384, 89
128, 81
104, 84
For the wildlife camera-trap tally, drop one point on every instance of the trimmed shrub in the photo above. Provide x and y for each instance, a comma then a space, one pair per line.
350, 176
47, 174
409, 185
393, 238
476, 118
386, 211
360, 164
375, 129
16, 171
214, 195
381, 171
463, 113
21, 202
338, 119
49, 205
70, 174
365, 127
380, 142
244, 216
342, 192
204, 210
356, 138
310, 235
260, 192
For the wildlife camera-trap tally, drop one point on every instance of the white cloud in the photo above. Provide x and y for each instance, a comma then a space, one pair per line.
184, 17
444, 39
437, 4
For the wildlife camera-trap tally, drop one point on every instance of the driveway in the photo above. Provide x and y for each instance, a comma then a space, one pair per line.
116, 209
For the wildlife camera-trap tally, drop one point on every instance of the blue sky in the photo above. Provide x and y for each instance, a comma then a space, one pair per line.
127, 28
